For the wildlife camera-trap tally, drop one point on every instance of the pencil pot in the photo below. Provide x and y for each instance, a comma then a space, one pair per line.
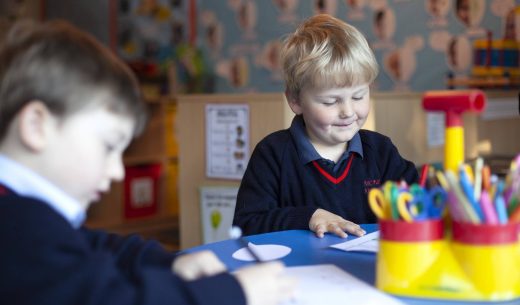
407, 253
489, 256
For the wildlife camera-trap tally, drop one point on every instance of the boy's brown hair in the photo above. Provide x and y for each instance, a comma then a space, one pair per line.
63, 67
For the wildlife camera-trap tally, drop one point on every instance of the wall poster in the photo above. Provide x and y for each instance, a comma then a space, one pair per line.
419, 44
217, 206
227, 140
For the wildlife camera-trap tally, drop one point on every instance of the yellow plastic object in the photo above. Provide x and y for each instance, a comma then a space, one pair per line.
496, 57
478, 263
489, 255
454, 148
454, 103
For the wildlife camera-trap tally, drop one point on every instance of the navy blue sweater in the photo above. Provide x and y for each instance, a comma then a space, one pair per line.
44, 260
279, 191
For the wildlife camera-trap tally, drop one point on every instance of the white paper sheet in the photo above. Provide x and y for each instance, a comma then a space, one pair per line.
367, 243
435, 124
328, 284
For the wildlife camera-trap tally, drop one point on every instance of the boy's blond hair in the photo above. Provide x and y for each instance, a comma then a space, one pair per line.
326, 52
64, 68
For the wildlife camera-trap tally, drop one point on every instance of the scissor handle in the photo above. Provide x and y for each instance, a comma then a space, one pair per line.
438, 195
437, 198
412, 207
391, 192
403, 206
378, 203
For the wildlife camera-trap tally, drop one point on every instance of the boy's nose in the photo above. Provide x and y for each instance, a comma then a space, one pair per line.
117, 169
346, 109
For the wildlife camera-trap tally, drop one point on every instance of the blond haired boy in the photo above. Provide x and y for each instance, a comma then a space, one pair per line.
316, 174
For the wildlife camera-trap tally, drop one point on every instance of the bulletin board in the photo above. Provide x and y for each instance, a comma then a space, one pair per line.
12, 11
150, 30
241, 38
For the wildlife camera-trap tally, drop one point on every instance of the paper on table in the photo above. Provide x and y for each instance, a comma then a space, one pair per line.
367, 243
328, 284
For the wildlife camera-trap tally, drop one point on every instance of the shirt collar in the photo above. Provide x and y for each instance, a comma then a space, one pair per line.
305, 149
354, 145
25, 182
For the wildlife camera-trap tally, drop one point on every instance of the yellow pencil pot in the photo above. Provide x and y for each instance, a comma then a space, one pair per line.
489, 256
408, 252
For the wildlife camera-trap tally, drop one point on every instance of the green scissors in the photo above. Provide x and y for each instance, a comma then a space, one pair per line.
384, 202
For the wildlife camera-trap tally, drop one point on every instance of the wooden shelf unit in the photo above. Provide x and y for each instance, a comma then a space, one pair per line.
156, 145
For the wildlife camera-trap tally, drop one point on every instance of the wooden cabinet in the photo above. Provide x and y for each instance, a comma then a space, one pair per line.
268, 112
156, 145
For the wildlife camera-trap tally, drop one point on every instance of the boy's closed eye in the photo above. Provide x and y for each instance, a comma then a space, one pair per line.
109, 147
360, 94
330, 103
115, 143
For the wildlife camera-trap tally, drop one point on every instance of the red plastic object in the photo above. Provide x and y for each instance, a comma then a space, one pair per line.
485, 234
141, 188
454, 103
402, 231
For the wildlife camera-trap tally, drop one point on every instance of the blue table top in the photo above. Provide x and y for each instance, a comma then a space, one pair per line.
307, 249
300, 241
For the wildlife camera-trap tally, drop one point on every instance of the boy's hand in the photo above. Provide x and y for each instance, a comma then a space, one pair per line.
196, 265
264, 284
324, 221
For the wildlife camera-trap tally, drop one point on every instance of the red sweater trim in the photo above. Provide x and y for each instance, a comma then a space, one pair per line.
329, 177
3, 190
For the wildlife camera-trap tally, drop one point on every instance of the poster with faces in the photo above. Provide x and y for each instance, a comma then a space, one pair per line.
227, 140
418, 43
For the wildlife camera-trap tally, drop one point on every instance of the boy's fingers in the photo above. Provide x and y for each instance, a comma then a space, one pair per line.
274, 267
336, 229
213, 267
196, 265
262, 283
323, 221
353, 228
188, 274
320, 230
287, 287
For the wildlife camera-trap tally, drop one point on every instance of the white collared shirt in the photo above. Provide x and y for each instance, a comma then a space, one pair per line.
25, 182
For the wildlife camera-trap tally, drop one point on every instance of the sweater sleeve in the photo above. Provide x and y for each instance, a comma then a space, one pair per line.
62, 265
131, 251
107, 284
395, 167
148, 263
259, 208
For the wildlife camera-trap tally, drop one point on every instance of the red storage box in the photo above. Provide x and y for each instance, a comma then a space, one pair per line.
141, 190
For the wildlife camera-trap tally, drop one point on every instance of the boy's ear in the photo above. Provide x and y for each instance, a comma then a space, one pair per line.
33, 125
293, 102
